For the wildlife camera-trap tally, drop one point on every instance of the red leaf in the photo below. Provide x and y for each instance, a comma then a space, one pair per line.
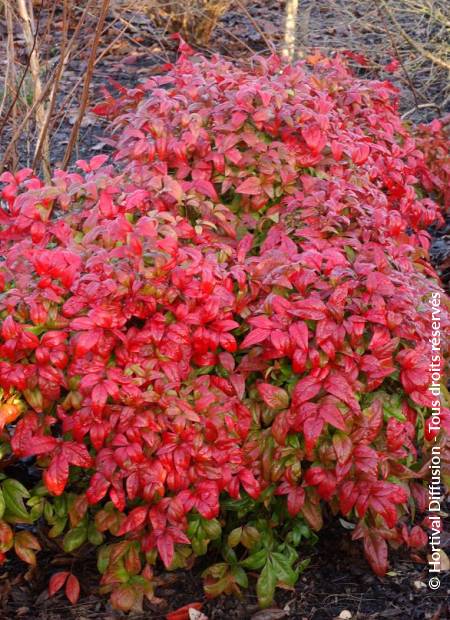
338, 386
73, 589
376, 552
182, 613
314, 138
98, 488
296, 500
165, 546
134, 521
249, 482
206, 188
343, 446
56, 475
256, 336
299, 333
274, 397
76, 454
311, 429
57, 580
331, 414
305, 390
251, 186
313, 309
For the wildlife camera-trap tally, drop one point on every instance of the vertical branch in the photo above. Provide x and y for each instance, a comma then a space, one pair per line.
42, 142
10, 74
31, 40
87, 82
290, 29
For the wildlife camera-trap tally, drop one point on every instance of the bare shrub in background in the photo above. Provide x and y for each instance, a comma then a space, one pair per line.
31, 87
195, 20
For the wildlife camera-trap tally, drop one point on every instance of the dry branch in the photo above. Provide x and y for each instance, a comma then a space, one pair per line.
86, 85
32, 42
437, 60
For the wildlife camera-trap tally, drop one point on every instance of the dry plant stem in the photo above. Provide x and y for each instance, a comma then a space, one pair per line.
399, 58
290, 25
267, 41
87, 81
231, 34
31, 39
10, 75
64, 57
131, 26
10, 55
414, 44
66, 49
18, 130
421, 106
68, 99
19, 86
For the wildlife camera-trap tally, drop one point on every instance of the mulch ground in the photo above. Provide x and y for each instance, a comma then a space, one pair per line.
337, 584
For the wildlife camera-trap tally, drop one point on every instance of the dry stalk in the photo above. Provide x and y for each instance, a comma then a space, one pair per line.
10, 73
31, 39
42, 139
266, 40
86, 85
67, 47
20, 127
418, 47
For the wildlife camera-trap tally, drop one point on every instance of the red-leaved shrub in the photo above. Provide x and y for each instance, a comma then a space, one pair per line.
434, 141
224, 335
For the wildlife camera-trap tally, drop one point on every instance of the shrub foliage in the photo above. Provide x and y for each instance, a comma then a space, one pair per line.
220, 338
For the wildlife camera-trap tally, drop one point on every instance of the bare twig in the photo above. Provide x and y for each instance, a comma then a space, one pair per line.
31, 38
421, 106
437, 60
399, 58
64, 56
267, 41
24, 74
87, 81
10, 55
19, 129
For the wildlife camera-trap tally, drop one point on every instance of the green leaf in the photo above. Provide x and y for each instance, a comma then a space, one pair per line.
283, 569
103, 556
199, 547
37, 509
240, 576
94, 536
212, 528
59, 525
49, 513
234, 537
60, 504
216, 588
303, 565
2, 505
74, 539
14, 494
250, 536
229, 555
256, 560
265, 586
